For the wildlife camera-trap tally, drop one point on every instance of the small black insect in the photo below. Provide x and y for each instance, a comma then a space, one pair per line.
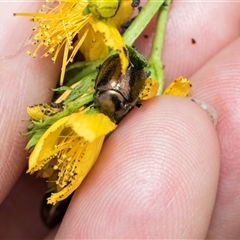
117, 93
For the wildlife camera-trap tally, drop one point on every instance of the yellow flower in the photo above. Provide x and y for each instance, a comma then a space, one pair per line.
70, 146
67, 26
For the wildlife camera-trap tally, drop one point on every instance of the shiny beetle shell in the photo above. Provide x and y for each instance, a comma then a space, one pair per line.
117, 93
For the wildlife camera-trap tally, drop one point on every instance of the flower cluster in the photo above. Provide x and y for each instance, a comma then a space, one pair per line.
66, 136
67, 150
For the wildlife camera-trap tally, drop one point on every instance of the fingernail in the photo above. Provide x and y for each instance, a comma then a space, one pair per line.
16, 31
209, 109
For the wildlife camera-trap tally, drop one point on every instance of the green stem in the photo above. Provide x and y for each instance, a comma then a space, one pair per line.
159, 35
154, 60
141, 21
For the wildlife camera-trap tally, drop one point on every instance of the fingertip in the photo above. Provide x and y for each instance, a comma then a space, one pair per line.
156, 177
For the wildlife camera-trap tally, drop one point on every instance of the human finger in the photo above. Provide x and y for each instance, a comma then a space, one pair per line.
218, 83
24, 81
155, 178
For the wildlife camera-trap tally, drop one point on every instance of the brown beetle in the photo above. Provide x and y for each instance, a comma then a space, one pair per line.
117, 93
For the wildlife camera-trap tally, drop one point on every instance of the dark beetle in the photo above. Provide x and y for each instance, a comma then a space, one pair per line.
117, 93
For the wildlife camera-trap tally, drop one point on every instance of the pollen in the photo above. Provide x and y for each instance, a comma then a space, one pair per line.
68, 157
63, 26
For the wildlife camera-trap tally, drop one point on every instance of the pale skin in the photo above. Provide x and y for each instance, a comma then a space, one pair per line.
166, 172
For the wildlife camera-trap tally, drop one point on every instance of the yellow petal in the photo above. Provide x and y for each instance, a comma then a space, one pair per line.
82, 168
90, 126
93, 47
179, 87
87, 126
124, 12
112, 39
150, 89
